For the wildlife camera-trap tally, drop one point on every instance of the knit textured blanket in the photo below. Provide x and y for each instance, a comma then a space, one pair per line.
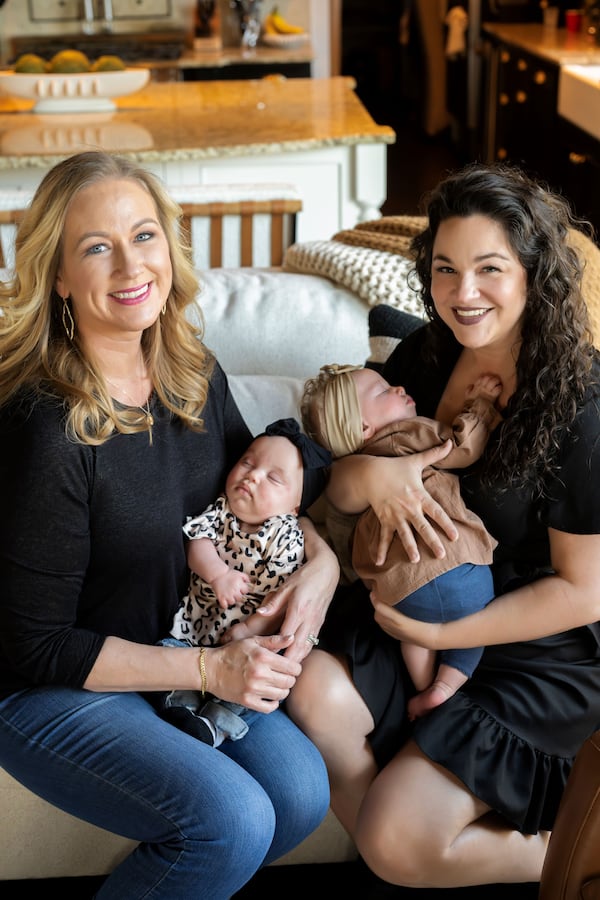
372, 260
391, 233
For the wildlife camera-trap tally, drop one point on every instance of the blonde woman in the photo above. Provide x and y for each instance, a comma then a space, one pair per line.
116, 422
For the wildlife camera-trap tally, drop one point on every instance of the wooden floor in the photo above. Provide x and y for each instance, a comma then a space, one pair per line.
415, 163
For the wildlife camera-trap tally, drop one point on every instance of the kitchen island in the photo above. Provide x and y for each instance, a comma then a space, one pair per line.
313, 133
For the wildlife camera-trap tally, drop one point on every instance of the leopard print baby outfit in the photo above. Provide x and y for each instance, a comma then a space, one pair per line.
267, 556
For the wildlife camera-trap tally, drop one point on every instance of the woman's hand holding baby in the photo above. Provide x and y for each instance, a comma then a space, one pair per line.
252, 671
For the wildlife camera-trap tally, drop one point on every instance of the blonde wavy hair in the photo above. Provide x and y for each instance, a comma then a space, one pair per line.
330, 410
36, 354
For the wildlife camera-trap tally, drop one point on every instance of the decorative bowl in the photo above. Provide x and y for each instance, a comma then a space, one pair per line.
73, 93
285, 41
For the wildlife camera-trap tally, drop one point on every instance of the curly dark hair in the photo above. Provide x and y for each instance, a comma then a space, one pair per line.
555, 358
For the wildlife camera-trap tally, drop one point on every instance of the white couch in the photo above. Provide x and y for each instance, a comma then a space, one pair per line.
271, 330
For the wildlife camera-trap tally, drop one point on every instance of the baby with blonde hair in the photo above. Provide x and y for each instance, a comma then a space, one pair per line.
353, 409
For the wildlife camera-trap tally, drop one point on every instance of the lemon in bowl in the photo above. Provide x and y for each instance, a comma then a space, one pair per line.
108, 63
30, 63
69, 61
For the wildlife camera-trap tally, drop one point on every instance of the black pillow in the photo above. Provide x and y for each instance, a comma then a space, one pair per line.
387, 327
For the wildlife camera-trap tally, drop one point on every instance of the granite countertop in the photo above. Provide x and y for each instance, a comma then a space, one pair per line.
555, 44
196, 120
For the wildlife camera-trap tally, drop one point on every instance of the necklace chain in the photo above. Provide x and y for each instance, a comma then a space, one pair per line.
145, 409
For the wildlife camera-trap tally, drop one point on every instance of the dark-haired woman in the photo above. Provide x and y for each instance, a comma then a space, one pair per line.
467, 795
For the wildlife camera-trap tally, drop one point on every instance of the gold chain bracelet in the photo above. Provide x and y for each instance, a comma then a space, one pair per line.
202, 667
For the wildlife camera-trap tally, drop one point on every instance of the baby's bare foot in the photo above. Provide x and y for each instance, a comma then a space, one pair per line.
436, 694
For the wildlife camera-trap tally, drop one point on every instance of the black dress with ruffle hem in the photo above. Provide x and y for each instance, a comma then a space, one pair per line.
511, 733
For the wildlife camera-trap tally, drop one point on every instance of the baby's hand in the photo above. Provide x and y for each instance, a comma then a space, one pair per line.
231, 587
487, 386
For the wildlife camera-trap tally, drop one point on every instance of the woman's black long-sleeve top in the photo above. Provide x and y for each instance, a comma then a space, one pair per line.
91, 540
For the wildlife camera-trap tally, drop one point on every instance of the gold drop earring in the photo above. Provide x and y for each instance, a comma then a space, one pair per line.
67, 319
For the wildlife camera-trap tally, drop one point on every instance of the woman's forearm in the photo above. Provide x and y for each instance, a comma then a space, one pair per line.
533, 611
305, 596
126, 666
321, 564
536, 610
559, 602
567, 599
253, 671
316, 547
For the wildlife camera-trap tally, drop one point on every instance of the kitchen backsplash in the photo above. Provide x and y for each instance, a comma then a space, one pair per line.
27, 20
62, 18
69, 16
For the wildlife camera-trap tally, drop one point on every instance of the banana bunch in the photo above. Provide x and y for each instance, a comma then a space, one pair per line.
274, 23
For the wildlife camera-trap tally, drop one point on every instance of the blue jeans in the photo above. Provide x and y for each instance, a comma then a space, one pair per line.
206, 819
457, 593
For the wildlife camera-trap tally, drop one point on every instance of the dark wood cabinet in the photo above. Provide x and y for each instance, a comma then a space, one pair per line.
523, 127
580, 171
523, 120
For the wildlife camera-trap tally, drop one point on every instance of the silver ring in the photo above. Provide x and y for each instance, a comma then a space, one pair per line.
312, 639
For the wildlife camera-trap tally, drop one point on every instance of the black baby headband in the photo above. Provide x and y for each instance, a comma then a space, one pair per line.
315, 458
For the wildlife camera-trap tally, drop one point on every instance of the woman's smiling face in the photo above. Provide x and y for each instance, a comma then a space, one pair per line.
115, 265
478, 284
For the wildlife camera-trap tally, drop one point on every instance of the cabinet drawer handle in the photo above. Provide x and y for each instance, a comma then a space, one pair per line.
578, 159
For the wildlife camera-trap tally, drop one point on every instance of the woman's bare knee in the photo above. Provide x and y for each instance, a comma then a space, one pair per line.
394, 847
321, 694
411, 818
